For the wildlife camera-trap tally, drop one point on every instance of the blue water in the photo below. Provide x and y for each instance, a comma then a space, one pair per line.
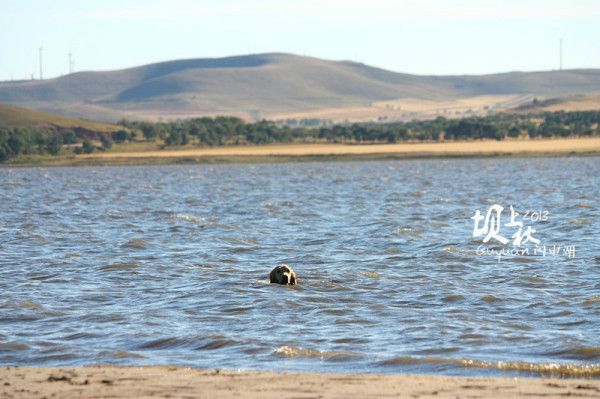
169, 265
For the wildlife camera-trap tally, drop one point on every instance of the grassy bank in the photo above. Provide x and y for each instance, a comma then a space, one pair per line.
138, 155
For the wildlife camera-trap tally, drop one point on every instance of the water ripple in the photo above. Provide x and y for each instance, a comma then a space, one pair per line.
169, 264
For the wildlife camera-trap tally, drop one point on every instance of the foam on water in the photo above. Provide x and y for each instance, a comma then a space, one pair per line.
544, 369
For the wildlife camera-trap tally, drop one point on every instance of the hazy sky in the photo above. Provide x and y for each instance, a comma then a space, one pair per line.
415, 36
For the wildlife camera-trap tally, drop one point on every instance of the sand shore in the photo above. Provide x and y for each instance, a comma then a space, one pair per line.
466, 148
177, 382
320, 152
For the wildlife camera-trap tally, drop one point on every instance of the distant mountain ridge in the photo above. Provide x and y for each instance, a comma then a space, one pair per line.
263, 85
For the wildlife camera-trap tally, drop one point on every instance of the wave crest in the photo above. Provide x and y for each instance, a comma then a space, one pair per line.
292, 351
545, 369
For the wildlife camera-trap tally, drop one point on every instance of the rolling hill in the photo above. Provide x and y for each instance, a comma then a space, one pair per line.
284, 85
13, 116
568, 103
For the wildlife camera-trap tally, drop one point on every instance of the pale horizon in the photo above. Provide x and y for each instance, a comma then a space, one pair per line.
462, 38
293, 54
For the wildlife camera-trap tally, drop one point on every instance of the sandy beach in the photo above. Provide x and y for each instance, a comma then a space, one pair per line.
177, 382
132, 154
445, 148
336, 151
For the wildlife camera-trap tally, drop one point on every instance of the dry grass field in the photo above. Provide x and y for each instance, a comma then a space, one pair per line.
292, 152
575, 103
407, 109
12, 116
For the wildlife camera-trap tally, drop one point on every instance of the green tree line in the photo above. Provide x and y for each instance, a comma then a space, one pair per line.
223, 130
234, 131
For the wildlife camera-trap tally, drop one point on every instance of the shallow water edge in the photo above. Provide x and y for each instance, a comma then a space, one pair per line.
45, 161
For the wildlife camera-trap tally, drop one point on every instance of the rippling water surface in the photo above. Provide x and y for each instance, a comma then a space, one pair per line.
169, 265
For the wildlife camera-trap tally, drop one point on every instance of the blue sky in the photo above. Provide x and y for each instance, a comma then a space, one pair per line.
415, 36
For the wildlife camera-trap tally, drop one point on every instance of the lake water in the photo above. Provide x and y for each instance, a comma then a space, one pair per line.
169, 265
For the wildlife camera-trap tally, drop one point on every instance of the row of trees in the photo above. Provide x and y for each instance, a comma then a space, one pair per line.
234, 131
40, 141
230, 130
18, 141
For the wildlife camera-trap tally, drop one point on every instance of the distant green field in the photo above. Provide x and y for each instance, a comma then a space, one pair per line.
13, 116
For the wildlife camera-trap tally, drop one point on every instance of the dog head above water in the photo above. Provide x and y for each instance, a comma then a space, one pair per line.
283, 274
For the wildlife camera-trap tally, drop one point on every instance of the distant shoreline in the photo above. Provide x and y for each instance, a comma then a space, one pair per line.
170, 381
325, 152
